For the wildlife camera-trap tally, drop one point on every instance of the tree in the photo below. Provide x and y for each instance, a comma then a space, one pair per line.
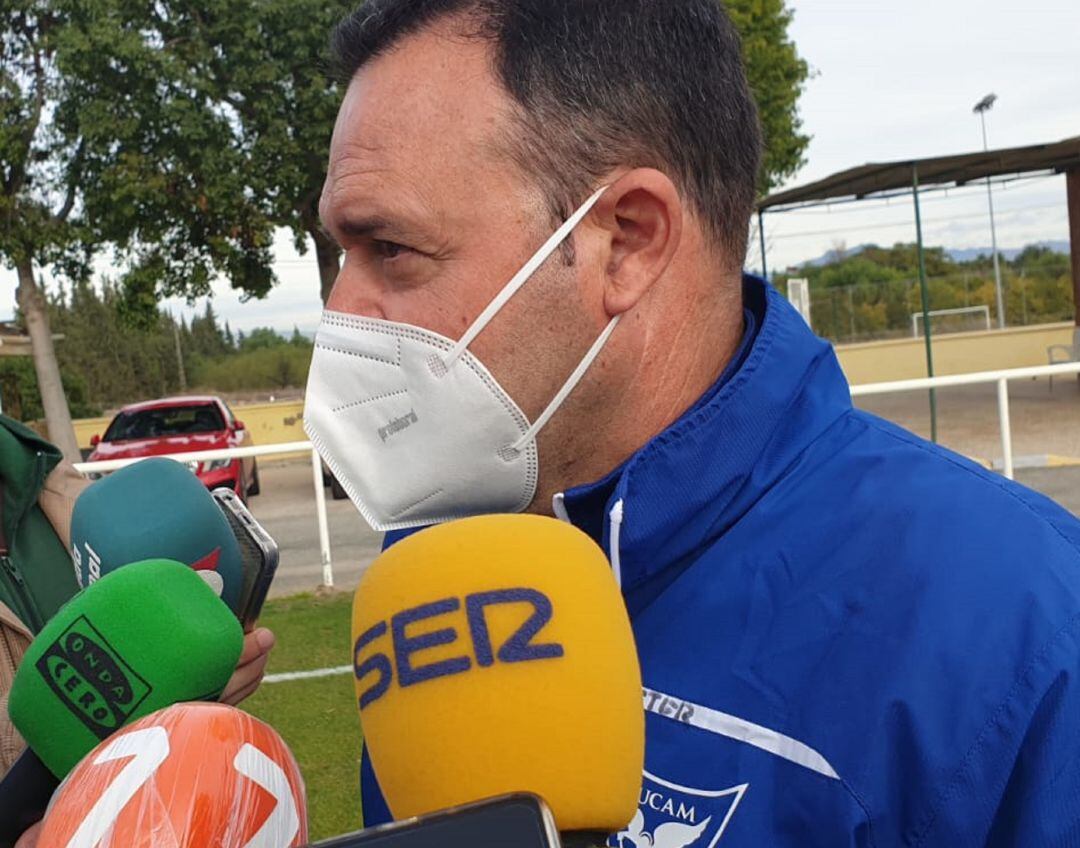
167, 184
266, 59
257, 66
777, 75
106, 138
207, 339
40, 169
262, 337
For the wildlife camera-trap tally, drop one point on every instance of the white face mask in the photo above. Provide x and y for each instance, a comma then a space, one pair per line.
412, 424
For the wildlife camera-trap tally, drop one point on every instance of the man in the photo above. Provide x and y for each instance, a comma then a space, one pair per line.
848, 636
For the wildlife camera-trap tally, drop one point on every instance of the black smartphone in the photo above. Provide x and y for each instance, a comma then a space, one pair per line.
259, 555
509, 821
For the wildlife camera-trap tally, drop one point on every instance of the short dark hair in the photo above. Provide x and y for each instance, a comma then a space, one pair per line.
606, 83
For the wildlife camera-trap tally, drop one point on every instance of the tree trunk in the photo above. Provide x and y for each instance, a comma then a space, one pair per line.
57, 415
328, 256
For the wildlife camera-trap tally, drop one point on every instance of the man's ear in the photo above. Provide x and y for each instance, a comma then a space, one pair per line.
641, 215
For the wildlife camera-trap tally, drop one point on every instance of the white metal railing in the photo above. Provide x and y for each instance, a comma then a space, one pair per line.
243, 453
1001, 378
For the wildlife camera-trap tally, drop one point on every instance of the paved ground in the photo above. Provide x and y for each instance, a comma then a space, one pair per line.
1043, 422
1061, 484
286, 508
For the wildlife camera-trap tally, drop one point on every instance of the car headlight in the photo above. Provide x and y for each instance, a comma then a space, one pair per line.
215, 465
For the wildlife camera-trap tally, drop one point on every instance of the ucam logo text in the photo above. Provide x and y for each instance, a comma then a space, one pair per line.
671, 815
408, 636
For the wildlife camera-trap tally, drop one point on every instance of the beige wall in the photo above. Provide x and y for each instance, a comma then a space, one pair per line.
956, 353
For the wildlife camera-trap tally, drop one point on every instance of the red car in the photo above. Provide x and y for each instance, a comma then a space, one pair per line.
181, 425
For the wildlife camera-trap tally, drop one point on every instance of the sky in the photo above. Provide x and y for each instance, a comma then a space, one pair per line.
890, 81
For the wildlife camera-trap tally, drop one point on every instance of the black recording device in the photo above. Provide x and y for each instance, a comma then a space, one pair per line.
520, 821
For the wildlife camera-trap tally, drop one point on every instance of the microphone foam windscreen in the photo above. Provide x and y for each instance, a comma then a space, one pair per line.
190, 776
155, 509
495, 655
141, 638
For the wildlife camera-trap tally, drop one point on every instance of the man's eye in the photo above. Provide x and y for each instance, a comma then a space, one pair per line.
389, 249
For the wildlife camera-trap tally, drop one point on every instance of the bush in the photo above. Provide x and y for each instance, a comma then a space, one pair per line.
279, 367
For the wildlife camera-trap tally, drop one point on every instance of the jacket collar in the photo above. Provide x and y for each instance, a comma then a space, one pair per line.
695, 480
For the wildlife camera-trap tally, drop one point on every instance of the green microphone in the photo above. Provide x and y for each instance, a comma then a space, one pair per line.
141, 638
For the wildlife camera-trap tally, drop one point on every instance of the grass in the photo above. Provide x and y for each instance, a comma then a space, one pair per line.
317, 718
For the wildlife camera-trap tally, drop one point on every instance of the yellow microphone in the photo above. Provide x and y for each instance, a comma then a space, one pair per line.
494, 655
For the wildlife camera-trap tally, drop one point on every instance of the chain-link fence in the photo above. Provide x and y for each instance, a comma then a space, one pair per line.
871, 311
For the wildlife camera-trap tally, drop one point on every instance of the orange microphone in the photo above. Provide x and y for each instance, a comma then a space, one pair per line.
188, 776
494, 655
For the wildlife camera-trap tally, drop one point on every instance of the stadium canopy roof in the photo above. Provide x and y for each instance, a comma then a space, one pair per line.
887, 177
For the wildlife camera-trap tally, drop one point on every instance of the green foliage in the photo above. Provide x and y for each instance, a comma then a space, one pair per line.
39, 163
22, 400
216, 117
777, 75
873, 294
278, 367
259, 338
106, 360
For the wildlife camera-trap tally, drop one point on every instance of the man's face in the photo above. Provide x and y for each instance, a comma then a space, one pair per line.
434, 217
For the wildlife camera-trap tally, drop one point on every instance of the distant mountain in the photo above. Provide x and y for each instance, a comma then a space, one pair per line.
956, 255
1009, 253
830, 257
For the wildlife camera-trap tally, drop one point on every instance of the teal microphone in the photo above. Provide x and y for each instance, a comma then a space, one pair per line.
153, 509
141, 638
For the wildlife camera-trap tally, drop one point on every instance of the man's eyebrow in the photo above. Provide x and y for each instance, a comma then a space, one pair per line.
364, 227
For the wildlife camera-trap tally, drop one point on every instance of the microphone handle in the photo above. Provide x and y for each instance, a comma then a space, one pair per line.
24, 794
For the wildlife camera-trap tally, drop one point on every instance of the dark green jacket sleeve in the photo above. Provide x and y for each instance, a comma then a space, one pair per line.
36, 574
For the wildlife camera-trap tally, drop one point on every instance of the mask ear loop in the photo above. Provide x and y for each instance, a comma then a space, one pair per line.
511, 452
518, 280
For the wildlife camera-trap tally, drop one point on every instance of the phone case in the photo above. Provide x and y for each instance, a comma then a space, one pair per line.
258, 550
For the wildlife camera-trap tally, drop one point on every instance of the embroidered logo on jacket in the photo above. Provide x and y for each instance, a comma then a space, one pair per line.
674, 816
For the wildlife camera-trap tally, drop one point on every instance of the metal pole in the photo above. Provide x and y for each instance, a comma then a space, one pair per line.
1006, 426
761, 236
925, 292
1072, 198
179, 356
324, 525
993, 236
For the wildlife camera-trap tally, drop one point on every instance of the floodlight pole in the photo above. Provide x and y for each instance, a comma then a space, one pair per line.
982, 107
925, 292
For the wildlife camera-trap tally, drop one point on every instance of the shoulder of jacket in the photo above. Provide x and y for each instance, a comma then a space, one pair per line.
57, 498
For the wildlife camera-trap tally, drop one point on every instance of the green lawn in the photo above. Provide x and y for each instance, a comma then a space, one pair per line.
317, 718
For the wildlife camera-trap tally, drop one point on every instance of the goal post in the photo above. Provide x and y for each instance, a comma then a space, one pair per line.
961, 320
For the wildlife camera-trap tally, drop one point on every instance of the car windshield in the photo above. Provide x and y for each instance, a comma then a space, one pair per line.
169, 421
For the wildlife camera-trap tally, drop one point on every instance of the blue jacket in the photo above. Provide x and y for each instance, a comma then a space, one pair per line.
848, 636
